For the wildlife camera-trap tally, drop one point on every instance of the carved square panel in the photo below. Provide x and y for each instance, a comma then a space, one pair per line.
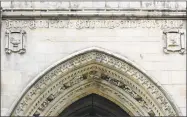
15, 41
174, 41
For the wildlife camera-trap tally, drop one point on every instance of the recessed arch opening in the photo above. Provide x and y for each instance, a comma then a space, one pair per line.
93, 105
94, 71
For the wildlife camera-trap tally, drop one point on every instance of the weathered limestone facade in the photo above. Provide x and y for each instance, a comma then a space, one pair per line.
36, 35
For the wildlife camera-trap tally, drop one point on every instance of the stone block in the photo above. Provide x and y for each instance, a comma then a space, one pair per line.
11, 89
4, 111
168, 66
180, 100
85, 4
149, 5
38, 57
178, 77
170, 5
52, 58
123, 4
180, 5
74, 4
155, 74
11, 77
112, 4
7, 100
155, 33
6, 4
176, 90
159, 4
37, 4
183, 110
26, 4
160, 57
165, 77
30, 66
51, 5
132, 32
135, 4
98, 4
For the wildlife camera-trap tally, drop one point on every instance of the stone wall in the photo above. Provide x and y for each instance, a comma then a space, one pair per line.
49, 42
162, 4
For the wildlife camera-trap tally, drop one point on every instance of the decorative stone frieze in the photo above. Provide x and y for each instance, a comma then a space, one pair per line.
91, 24
95, 71
15, 41
174, 41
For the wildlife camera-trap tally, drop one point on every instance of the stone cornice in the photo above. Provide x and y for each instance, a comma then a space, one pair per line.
98, 13
86, 8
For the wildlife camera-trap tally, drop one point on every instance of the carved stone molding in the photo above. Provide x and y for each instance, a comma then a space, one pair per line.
91, 24
95, 71
174, 41
15, 41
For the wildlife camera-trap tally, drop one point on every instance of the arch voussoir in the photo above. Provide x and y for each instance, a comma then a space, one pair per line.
95, 71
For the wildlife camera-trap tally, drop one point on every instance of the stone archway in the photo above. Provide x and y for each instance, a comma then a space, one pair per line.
98, 71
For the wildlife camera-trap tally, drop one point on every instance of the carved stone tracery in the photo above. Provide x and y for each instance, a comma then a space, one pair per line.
101, 69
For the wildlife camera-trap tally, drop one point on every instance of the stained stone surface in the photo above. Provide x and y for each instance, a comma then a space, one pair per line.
95, 4
45, 45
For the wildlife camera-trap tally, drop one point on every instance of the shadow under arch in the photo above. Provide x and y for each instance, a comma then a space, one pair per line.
93, 105
94, 70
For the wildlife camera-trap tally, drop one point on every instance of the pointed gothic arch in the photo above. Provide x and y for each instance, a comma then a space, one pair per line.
98, 71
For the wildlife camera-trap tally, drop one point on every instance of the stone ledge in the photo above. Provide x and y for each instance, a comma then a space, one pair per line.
101, 14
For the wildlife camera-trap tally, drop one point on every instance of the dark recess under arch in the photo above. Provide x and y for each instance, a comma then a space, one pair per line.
93, 105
